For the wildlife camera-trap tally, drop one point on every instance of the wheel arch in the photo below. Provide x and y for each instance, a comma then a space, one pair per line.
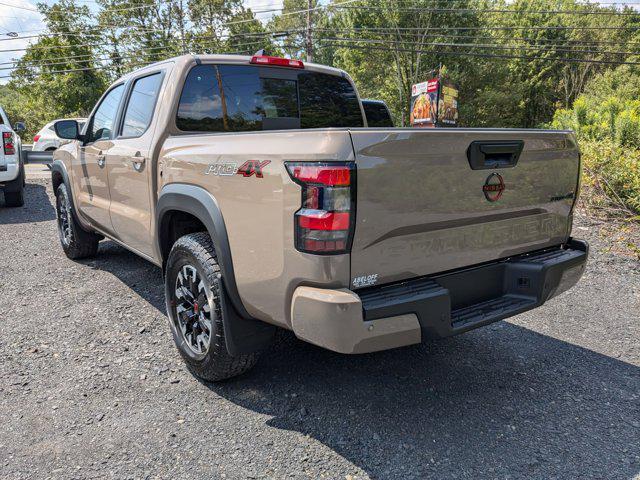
199, 204
59, 175
243, 334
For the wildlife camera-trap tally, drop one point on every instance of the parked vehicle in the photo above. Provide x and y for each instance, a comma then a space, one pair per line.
12, 177
253, 183
377, 113
46, 139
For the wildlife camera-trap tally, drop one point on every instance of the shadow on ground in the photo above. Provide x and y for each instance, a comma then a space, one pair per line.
37, 207
503, 401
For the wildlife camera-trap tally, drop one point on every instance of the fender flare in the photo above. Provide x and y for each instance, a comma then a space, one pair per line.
244, 335
59, 168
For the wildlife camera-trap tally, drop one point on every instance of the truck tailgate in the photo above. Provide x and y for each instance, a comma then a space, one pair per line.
425, 204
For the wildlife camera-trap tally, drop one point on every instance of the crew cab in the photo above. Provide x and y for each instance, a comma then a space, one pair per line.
12, 177
257, 186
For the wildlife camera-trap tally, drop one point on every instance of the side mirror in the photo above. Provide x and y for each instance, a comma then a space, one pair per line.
67, 129
19, 127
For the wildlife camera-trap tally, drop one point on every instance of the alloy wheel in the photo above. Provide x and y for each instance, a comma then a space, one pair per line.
193, 310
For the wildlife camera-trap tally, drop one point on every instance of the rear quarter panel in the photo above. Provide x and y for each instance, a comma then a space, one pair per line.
259, 212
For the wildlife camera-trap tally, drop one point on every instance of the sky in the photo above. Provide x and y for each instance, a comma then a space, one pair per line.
27, 19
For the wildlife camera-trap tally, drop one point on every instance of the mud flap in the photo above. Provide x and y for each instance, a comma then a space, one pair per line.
243, 336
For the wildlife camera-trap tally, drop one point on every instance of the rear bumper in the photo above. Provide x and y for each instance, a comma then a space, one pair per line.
408, 312
9, 172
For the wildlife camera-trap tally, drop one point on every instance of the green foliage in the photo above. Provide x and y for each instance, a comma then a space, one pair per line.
606, 119
10, 100
611, 177
65, 81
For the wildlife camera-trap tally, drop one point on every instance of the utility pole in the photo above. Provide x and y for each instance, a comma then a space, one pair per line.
181, 24
309, 36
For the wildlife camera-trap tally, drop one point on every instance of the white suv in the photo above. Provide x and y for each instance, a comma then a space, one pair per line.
11, 165
46, 139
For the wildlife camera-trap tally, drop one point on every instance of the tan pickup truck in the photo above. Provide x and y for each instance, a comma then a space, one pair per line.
256, 185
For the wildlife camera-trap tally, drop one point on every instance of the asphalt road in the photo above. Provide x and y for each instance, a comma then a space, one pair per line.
91, 385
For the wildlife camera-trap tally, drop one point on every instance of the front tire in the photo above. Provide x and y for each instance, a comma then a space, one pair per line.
193, 295
76, 242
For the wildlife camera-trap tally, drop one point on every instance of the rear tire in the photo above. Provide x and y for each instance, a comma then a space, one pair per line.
14, 191
193, 295
14, 199
76, 242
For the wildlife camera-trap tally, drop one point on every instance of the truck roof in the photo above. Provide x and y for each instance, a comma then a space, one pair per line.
187, 59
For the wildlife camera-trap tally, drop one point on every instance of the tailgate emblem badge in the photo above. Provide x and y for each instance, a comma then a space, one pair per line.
493, 187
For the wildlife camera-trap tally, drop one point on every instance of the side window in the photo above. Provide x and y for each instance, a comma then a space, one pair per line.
142, 101
200, 107
104, 117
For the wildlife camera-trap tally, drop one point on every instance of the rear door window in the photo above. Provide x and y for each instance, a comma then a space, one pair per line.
235, 98
142, 101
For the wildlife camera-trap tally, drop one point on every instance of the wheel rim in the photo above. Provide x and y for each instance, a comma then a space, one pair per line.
193, 310
64, 219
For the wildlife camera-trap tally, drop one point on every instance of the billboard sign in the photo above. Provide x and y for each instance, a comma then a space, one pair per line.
424, 103
448, 105
434, 103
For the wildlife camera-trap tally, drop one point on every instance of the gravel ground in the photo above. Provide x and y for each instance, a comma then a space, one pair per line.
91, 385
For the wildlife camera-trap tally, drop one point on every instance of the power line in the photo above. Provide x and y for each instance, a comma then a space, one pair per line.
484, 55
548, 48
509, 11
565, 42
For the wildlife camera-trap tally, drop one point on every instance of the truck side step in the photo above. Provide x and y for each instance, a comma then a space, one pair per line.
502, 307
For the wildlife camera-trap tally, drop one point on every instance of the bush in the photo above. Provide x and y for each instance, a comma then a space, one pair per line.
606, 119
610, 177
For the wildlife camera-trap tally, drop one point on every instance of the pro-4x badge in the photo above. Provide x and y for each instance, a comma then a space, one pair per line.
251, 167
247, 169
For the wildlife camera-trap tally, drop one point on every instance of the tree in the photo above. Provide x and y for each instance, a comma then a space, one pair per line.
388, 47
59, 74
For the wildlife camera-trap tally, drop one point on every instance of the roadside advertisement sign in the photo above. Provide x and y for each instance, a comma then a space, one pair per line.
448, 105
434, 103
424, 103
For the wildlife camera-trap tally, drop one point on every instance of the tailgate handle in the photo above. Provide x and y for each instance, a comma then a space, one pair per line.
485, 155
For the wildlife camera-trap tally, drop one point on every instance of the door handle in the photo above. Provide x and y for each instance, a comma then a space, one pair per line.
138, 161
101, 161
485, 155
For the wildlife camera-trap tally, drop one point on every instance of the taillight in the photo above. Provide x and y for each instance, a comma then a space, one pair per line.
7, 143
276, 61
325, 222
36, 138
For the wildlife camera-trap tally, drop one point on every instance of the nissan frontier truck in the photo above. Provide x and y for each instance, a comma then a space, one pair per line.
258, 188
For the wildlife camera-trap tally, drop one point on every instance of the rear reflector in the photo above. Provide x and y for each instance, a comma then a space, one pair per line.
7, 143
277, 61
325, 222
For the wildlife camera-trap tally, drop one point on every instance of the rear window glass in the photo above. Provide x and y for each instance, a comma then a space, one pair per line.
235, 98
